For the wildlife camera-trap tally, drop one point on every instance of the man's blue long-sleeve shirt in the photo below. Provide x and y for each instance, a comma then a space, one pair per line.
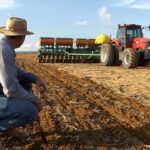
9, 73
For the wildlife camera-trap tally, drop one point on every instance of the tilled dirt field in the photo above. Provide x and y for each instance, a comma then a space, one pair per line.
88, 107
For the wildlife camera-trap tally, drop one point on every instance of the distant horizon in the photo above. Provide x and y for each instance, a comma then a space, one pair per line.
22, 51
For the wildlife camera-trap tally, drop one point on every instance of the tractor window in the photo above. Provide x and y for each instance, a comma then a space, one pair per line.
121, 35
134, 32
139, 32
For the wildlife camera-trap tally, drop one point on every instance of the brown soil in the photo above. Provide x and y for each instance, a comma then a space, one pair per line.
88, 106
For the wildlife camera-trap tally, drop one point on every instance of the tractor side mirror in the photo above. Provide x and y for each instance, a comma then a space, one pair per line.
149, 27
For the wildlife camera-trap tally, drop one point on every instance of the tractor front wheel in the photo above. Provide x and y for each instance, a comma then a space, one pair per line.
130, 58
106, 55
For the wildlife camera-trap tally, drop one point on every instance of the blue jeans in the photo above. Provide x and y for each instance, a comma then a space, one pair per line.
17, 113
26, 85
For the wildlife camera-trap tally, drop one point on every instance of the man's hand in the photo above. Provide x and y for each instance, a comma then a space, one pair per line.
39, 105
40, 84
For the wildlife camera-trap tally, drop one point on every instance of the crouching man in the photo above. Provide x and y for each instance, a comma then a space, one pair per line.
17, 105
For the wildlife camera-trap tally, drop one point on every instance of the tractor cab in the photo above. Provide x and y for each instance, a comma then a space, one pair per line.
126, 33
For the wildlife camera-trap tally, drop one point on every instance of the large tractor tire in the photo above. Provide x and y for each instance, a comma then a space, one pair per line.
107, 55
130, 58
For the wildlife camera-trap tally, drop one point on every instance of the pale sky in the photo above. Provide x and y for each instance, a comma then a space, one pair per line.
74, 18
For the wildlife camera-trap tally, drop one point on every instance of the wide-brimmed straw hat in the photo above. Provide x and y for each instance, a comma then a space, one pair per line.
15, 26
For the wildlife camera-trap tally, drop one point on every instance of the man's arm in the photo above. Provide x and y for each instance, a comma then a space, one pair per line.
25, 76
30, 77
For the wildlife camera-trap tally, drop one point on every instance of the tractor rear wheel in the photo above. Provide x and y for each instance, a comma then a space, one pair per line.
106, 55
130, 58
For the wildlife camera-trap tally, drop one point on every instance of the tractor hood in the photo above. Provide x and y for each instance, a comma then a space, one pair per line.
140, 43
140, 40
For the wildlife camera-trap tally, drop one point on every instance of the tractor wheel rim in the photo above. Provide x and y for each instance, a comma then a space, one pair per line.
127, 59
103, 56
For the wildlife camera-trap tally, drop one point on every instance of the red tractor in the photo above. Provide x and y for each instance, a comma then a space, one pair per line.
129, 47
